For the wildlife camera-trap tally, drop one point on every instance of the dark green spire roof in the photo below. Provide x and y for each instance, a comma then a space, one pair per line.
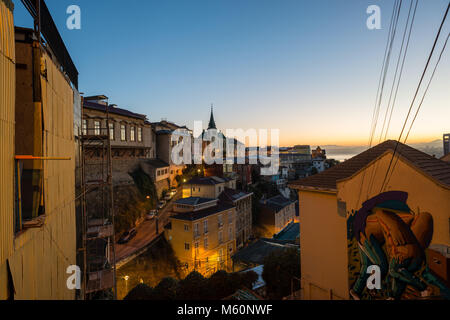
212, 123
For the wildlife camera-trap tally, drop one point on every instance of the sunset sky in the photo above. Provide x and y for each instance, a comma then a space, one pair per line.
308, 68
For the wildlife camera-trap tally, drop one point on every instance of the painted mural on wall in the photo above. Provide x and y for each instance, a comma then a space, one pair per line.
386, 233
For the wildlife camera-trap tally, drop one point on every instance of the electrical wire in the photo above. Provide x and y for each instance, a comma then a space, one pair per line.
414, 98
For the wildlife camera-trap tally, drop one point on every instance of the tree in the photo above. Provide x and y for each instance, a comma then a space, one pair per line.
192, 287
249, 278
280, 268
166, 289
141, 292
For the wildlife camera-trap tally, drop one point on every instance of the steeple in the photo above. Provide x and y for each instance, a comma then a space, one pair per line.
212, 123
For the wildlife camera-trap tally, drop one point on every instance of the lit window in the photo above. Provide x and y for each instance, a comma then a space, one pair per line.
140, 134
111, 131
84, 127
196, 232
123, 133
97, 128
132, 134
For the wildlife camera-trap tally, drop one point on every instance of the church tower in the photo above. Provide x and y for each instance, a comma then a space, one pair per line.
212, 123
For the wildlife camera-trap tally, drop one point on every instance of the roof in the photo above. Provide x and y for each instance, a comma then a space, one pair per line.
208, 180
123, 112
290, 232
200, 214
436, 169
233, 195
257, 251
277, 203
157, 163
193, 201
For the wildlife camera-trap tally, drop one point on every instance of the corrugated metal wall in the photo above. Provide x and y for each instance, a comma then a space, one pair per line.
42, 255
7, 103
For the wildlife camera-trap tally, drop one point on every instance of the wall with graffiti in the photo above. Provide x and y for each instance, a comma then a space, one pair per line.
387, 234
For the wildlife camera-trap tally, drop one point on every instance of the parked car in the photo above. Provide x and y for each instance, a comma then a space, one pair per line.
127, 236
161, 204
151, 215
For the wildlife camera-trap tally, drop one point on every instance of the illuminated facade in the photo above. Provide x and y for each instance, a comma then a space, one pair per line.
202, 234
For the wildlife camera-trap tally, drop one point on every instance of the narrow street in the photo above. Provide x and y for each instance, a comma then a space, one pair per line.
146, 232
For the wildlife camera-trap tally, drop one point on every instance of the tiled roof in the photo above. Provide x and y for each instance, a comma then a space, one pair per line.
114, 110
200, 214
233, 195
436, 169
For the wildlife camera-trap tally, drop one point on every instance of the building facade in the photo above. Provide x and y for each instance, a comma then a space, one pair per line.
131, 135
207, 187
202, 234
276, 213
164, 146
243, 203
404, 219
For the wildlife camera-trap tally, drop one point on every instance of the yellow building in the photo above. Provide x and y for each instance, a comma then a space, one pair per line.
207, 187
352, 217
37, 208
202, 234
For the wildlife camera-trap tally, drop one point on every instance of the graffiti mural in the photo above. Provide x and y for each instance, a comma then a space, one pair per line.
385, 232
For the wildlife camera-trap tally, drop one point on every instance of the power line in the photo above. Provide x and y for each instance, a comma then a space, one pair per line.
389, 105
415, 96
401, 71
391, 34
421, 102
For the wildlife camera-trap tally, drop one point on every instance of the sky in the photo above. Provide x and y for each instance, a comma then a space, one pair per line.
307, 68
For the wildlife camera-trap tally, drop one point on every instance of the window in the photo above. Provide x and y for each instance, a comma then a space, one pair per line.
196, 245
186, 227
230, 233
220, 236
205, 226
220, 255
140, 134
132, 134
230, 217
97, 128
205, 243
111, 131
84, 127
196, 232
186, 246
220, 220
123, 133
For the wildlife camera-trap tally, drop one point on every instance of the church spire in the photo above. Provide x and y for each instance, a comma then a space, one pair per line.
212, 123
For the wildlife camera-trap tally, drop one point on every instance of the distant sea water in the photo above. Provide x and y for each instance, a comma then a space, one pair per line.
340, 156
